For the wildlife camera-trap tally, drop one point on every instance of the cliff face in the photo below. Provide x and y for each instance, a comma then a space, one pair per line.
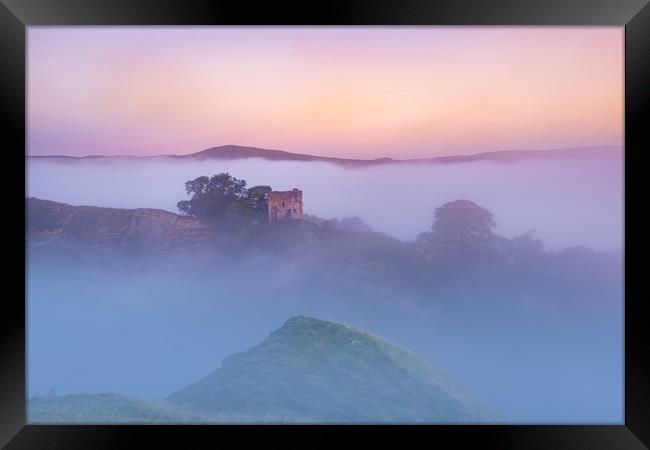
149, 232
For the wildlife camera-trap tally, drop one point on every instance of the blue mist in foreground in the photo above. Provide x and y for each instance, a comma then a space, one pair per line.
535, 333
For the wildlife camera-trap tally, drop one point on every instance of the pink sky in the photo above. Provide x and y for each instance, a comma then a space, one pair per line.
362, 92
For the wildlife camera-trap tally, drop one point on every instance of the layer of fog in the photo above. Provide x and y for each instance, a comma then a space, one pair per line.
567, 201
147, 334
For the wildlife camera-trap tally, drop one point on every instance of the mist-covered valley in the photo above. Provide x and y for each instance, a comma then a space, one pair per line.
531, 356
323, 225
533, 329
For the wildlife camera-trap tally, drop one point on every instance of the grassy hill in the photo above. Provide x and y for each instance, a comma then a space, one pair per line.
105, 408
308, 371
312, 370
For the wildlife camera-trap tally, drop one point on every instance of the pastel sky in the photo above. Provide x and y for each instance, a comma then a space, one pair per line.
354, 92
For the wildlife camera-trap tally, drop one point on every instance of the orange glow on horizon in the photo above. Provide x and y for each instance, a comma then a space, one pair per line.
351, 92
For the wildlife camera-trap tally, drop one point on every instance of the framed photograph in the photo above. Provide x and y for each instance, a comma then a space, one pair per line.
412, 219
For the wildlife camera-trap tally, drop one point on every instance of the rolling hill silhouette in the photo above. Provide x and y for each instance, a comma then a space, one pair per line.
236, 152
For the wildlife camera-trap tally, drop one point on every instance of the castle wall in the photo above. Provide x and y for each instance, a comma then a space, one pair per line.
285, 205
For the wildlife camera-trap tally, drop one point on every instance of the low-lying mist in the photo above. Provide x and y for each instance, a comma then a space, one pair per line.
567, 201
94, 329
537, 335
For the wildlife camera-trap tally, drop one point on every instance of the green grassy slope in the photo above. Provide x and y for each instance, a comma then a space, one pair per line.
317, 371
308, 371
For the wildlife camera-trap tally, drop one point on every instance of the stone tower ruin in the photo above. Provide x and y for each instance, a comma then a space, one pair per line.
285, 205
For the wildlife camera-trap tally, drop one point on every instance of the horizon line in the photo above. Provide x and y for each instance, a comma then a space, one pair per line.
613, 146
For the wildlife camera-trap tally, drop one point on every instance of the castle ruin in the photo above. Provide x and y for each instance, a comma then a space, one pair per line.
285, 205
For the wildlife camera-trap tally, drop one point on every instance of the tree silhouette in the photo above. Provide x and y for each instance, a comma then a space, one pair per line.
224, 198
461, 229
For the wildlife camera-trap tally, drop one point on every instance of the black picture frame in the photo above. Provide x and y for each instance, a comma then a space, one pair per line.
634, 15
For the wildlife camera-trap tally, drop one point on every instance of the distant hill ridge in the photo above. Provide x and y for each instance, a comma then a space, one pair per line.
234, 152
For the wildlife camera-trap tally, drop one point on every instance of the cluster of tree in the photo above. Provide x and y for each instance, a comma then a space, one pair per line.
460, 228
461, 243
467, 255
463, 231
224, 198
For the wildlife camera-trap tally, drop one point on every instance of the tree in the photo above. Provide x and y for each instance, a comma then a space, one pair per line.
224, 198
258, 198
353, 224
462, 229
424, 239
526, 249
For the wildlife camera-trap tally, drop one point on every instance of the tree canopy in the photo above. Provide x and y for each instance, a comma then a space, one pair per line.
224, 198
461, 228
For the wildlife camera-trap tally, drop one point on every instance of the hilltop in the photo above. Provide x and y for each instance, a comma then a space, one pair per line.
366, 265
90, 229
149, 231
235, 152
313, 370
